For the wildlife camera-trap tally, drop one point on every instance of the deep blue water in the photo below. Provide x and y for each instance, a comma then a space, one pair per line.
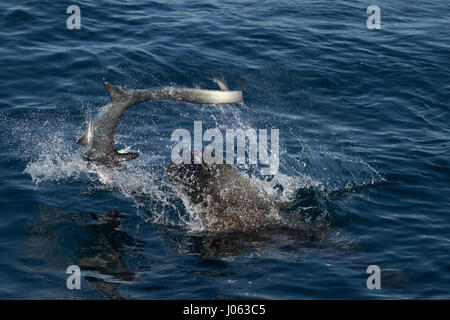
364, 136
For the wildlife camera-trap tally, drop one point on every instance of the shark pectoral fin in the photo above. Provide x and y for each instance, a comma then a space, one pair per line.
126, 156
221, 83
83, 140
114, 93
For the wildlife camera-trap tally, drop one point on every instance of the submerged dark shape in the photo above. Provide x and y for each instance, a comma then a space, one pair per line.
97, 242
98, 139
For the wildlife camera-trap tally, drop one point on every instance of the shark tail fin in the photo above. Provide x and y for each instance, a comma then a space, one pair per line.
114, 93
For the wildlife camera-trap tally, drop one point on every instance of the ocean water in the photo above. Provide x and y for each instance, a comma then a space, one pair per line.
364, 126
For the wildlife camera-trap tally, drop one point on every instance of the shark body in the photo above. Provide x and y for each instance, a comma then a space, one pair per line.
98, 140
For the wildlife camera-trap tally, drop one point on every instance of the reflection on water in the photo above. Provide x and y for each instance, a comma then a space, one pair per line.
102, 251
114, 262
93, 241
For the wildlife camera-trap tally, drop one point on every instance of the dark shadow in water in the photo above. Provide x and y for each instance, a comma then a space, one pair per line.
93, 241
101, 249
215, 245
